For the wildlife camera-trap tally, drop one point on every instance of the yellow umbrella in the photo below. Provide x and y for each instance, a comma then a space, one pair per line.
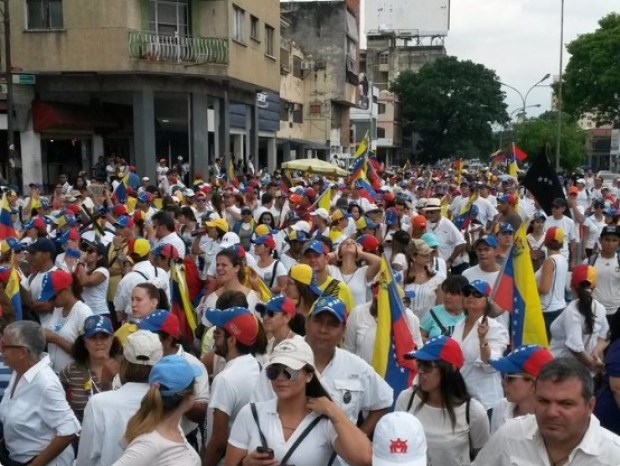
315, 166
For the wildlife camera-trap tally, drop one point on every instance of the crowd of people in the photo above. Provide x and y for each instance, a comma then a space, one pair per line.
233, 322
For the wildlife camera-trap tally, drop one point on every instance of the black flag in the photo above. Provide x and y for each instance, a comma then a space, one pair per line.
543, 182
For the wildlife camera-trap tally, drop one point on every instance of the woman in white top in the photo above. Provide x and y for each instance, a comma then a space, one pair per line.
281, 320
270, 270
153, 434
422, 279
481, 338
349, 257
94, 276
536, 240
398, 259
265, 433
552, 277
455, 425
581, 330
68, 316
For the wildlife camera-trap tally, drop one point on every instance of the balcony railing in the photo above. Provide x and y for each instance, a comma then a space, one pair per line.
178, 49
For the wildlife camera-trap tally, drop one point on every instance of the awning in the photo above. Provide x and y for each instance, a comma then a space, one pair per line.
303, 142
55, 116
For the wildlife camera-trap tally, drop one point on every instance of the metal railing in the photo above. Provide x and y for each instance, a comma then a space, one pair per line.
173, 48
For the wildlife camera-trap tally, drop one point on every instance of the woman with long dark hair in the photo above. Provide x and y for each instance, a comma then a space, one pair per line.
454, 423
581, 329
607, 408
302, 287
93, 274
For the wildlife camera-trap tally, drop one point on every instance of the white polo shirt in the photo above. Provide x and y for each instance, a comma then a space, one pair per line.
449, 237
201, 388
37, 413
519, 442
176, 241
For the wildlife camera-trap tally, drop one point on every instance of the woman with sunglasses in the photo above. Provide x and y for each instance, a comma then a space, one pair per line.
93, 274
281, 320
455, 425
264, 433
482, 338
519, 370
422, 279
302, 288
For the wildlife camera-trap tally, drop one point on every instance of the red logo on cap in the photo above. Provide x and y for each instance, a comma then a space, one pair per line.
398, 446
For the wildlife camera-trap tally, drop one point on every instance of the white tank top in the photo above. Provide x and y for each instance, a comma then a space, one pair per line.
554, 300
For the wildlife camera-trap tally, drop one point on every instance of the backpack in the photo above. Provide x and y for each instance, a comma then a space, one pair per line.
592, 259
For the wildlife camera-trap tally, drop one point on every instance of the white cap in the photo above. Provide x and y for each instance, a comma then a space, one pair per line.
230, 239
399, 440
146, 178
581, 180
432, 204
321, 212
302, 225
143, 348
372, 207
189, 192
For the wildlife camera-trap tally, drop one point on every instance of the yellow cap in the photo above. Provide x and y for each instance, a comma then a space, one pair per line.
218, 223
262, 230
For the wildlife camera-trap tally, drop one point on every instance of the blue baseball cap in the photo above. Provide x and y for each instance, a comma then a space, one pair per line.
480, 286
75, 253
161, 321
506, 228
124, 221
173, 374
441, 348
97, 324
238, 321
278, 304
316, 246
15, 244
391, 216
332, 305
491, 240
431, 239
42, 245
528, 359
53, 283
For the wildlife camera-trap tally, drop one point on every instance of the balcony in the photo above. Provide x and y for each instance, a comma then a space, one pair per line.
178, 49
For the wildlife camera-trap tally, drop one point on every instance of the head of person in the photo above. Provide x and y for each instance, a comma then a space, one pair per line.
506, 203
236, 331
316, 254
95, 253
171, 382
326, 324
538, 222
296, 240
292, 372
22, 344
418, 225
166, 325
520, 369
399, 440
452, 293
229, 266
419, 253
348, 248
558, 206
264, 245
163, 224
138, 250
583, 281
486, 250
564, 401
554, 239
124, 227
96, 341
302, 285
610, 239
280, 317
505, 236
217, 228
355, 211
60, 287
163, 256
400, 242
439, 362
41, 254
476, 298
141, 352
432, 210
266, 218
146, 297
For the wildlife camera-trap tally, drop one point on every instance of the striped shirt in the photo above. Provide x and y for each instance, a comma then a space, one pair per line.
5, 376
80, 385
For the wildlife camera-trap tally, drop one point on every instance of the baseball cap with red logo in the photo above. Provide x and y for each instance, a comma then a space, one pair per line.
399, 440
238, 321
161, 321
369, 243
419, 221
277, 305
528, 359
167, 251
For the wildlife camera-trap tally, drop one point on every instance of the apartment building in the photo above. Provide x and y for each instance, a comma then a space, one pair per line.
142, 79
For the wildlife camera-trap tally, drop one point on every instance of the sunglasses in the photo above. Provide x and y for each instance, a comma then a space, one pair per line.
426, 366
274, 371
91, 251
512, 377
476, 294
269, 313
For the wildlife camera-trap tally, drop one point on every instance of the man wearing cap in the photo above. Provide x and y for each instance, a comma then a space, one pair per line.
293, 255
320, 220
584, 196
107, 413
562, 431
506, 206
236, 332
452, 242
607, 264
316, 255
558, 219
41, 255
164, 232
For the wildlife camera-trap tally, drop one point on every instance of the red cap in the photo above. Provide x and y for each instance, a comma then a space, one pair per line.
573, 190
369, 243
74, 209
119, 209
419, 221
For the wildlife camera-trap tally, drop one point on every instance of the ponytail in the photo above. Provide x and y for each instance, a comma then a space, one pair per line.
76, 286
298, 324
584, 305
162, 300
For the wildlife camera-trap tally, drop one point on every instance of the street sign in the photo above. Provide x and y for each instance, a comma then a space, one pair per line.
24, 79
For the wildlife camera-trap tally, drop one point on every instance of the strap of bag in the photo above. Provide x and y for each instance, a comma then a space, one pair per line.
444, 330
410, 404
140, 273
273, 273
263, 440
300, 439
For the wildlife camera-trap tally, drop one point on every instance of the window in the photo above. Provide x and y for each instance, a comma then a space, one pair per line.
270, 38
298, 113
381, 109
315, 109
238, 24
284, 108
384, 58
297, 67
380, 132
169, 17
254, 28
44, 14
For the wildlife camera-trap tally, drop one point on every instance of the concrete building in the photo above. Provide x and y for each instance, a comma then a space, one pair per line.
364, 119
143, 79
321, 40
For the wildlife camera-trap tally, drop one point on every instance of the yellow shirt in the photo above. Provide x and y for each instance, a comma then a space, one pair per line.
343, 293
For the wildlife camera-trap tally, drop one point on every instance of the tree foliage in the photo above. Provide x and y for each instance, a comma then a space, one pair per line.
534, 133
591, 82
451, 105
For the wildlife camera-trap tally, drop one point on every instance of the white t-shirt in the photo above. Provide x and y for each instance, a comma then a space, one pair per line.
447, 446
607, 291
425, 294
34, 285
153, 449
570, 232
68, 328
315, 449
449, 237
356, 282
95, 297
267, 273
568, 331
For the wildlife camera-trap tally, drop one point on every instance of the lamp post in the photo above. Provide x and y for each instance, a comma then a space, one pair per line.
521, 109
559, 104
524, 98
9, 89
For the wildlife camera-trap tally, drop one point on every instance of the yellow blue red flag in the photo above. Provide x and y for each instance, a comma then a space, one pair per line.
6, 221
182, 305
10, 276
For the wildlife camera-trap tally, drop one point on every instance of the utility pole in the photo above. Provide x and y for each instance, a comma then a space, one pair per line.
9, 93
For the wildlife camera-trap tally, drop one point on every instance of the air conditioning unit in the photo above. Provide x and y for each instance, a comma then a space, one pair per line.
306, 65
284, 69
319, 65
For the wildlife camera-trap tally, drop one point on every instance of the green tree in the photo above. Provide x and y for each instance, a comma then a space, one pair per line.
534, 133
451, 105
591, 82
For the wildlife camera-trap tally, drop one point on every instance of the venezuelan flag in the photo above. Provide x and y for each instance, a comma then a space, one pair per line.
232, 177
120, 193
6, 221
182, 305
462, 220
325, 200
10, 276
362, 149
394, 338
515, 291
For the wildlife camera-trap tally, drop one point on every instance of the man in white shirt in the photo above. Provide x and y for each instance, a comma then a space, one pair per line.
558, 219
607, 264
41, 257
563, 430
165, 232
451, 241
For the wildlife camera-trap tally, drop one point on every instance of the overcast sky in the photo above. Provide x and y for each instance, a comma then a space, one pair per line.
520, 39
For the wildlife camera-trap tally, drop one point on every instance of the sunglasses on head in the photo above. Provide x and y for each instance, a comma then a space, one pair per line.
273, 372
475, 293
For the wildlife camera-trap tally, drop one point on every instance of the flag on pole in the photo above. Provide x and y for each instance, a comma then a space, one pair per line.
121, 191
459, 170
462, 220
6, 221
232, 177
543, 182
10, 276
286, 182
363, 147
182, 305
393, 338
515, 291
325, 199
518, 153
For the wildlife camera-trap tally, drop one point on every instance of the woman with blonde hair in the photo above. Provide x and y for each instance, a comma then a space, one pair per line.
153, 434
422, 279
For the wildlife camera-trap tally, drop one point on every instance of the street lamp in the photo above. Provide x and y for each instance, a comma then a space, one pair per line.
521, 109
524, 98
9, 89
559, 105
